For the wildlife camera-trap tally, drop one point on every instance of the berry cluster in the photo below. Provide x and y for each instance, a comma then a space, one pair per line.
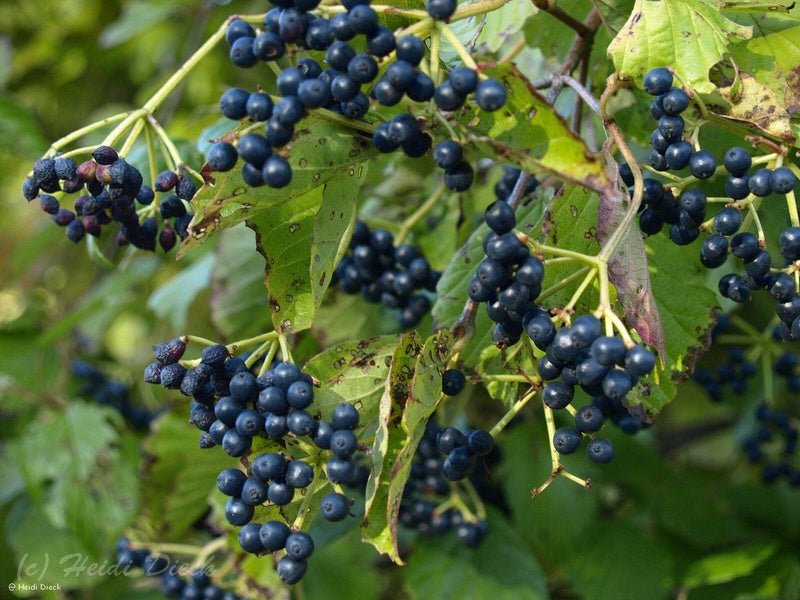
687, 214
113, 188
338, 88
773, 445
395, 276
786, 367
231, 407
109, 392
508, 279
428, 486
601, 365
173, 585
670, 151
732, 373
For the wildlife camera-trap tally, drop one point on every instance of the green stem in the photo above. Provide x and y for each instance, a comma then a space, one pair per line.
436, 45
265, 366
285, 352
791, 205
303, 511
474, 499
566, 282
136, 130
512, 412
174, 156
197, 340
151, 160
477, 8
545, 249
259, 352
262, 337
208, 550
79, 133
462, 52
116, 133
555, 459
156, 548
344, 121
156, 99
505, 377
590, 276
419, 214
78, 151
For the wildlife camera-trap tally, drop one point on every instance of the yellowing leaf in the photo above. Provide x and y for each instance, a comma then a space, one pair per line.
689, 35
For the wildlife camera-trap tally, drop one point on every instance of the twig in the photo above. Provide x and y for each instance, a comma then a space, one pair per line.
560, 14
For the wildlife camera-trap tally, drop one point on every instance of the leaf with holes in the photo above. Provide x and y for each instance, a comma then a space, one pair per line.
354, 372
319, 151
333, 227
689, 35
384, 492
529, 133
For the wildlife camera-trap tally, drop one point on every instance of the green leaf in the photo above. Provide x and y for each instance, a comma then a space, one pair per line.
178, 483
726, 566
172, 300
283, 237
102, 304
570, 223
19, 130
689, 35
772, 55
364, 319
320, 150
451, 291
333, 227
238, 297
529, 133
343, 569
384, 490
613, 12
757, 105
553, 523
685, 317
501, 25
353, 372
603, 572
500, 568
137, 17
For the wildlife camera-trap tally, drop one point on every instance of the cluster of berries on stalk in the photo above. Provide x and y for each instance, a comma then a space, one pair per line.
429, 485
396, 276
112, 190
236, 409
509, 281
686, 215
106, 391
173, 585
347, 84
773, 445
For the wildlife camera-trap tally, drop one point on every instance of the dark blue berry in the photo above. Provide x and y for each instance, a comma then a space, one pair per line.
334, 506
600, 451
566, 440
657, 81
490, 95
233, 103
737, 161
441, 10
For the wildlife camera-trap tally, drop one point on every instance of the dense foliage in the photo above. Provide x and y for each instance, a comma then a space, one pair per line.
486, 299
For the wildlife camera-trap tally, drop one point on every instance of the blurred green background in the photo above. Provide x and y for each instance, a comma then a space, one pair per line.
671, 517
